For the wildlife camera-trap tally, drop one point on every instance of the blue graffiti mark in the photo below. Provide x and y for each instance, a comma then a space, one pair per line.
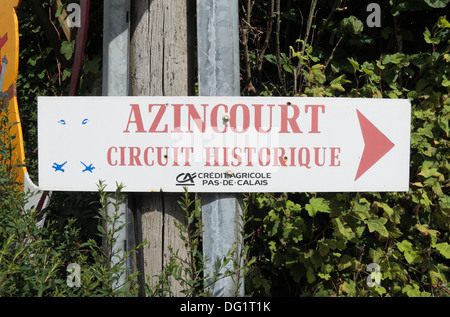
59, 167
63, 122
89, 168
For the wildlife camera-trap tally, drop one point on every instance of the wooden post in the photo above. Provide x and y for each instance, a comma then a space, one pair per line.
161, 60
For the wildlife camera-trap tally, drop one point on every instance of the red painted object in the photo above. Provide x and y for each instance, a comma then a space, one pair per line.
376, 145
80, 47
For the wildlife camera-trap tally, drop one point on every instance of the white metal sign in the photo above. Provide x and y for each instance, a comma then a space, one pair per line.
224, 144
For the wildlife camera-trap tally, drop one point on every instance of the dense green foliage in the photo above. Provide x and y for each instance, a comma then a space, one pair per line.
321, 244
43, 72
297, 244
37, 259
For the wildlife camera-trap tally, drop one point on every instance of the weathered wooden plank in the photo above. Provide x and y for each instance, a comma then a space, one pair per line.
171, 235
140, 48
160, 67
156, 25
151, 223
158, 214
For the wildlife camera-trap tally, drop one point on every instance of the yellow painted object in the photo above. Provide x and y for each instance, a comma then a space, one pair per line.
9, 68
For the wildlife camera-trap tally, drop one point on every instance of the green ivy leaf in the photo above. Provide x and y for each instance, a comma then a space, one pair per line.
317, 205
428, 170
436, 275
296, 272
435, 186
270, 58
427, 130
437, 3
33, 60
444, 249
352, 25
341, 228
348, 287
354, 63
59, 11
394, 232
377, 224
445, 81
429, 39
66, 73
336, 84
361, 209
405, 245
443, 22
287, 229
323, 248
412, 256
444, 125
346, 261
67, 49
310, 275
388, 210
411, 291
410, 253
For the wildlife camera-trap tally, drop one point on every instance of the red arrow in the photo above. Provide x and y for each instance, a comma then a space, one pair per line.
376, 145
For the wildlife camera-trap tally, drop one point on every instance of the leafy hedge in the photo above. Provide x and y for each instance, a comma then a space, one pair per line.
37, 260
311, 244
